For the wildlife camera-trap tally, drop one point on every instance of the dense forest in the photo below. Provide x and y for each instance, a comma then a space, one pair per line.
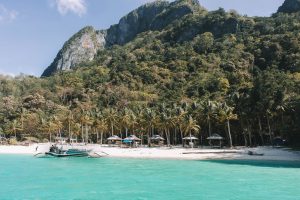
205, 72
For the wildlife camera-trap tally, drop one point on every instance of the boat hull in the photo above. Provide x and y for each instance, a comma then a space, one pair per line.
81, 154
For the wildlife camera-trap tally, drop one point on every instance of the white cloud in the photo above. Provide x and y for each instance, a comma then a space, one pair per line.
7, 15
76, 6
5, 73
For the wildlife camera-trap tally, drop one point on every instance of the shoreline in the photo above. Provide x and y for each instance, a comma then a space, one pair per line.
175, 153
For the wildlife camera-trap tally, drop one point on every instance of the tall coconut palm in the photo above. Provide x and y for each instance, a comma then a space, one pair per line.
57, 124
14, 127
111, 117
22, 117
139, 123
151, 120
269, 116
191, 126
225, 114
87, 121
44, 126
179, 121
125, 121
166, 123
207, 111
133, 122
101, 125
70, 119
76, 129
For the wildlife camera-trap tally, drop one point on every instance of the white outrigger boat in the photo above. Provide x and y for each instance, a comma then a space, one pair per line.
59, 152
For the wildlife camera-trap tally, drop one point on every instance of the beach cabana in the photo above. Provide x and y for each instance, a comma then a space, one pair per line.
73, 140
132, 140
157, 140
215, 138
29, 140
114, 140
3, 140
61, 140
190, 139
278, 141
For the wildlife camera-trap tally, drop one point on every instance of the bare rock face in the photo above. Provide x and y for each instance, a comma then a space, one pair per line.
151, 16
290, 6
135, 22
82, 47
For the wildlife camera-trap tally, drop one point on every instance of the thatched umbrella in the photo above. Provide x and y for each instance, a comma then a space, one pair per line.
114, 139
3, 140
30, 140
157, 139
131, 139
215, 137
190, 138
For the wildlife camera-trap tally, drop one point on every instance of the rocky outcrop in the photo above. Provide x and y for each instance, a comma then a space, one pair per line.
135, 22
84, 45
290, 6
176, 10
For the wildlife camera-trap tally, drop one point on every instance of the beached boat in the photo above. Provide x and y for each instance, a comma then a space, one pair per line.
56, 152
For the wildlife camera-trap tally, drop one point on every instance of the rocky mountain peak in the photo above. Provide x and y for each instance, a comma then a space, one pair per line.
137, 21
290, 6
83, 46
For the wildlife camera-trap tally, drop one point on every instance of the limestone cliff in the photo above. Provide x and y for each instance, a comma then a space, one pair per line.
290, 6
83, 46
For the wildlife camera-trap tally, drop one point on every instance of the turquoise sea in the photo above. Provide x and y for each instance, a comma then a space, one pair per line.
26, 177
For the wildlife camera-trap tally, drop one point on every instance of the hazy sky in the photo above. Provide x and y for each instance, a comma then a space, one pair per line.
33, 31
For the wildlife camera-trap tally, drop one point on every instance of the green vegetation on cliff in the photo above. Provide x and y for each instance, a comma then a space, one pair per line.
230, 74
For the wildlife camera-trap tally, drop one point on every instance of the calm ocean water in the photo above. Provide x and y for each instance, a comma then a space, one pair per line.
26, 177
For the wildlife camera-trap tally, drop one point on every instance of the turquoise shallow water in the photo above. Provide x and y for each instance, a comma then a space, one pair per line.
26, 177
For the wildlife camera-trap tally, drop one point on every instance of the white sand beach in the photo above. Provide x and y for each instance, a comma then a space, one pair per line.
270, 153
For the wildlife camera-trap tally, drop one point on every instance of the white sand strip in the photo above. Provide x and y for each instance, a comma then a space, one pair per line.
166, 153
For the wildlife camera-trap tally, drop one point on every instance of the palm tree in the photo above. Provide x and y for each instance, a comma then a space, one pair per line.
269, 115
14, 127
125, 120
179, 121
44, 126
225, 114
166, 123
151, 120
101, 125
23, 114
207, 111
57, 124
76, 129
191, 126
133, 122
139, 123
111, 118
87, 121
70, 119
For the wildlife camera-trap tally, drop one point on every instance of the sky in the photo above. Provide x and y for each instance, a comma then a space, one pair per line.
33, 31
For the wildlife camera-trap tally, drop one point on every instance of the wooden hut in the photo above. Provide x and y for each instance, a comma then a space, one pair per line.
114, 140
215, 140
191, 141
157, 140
132, 141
